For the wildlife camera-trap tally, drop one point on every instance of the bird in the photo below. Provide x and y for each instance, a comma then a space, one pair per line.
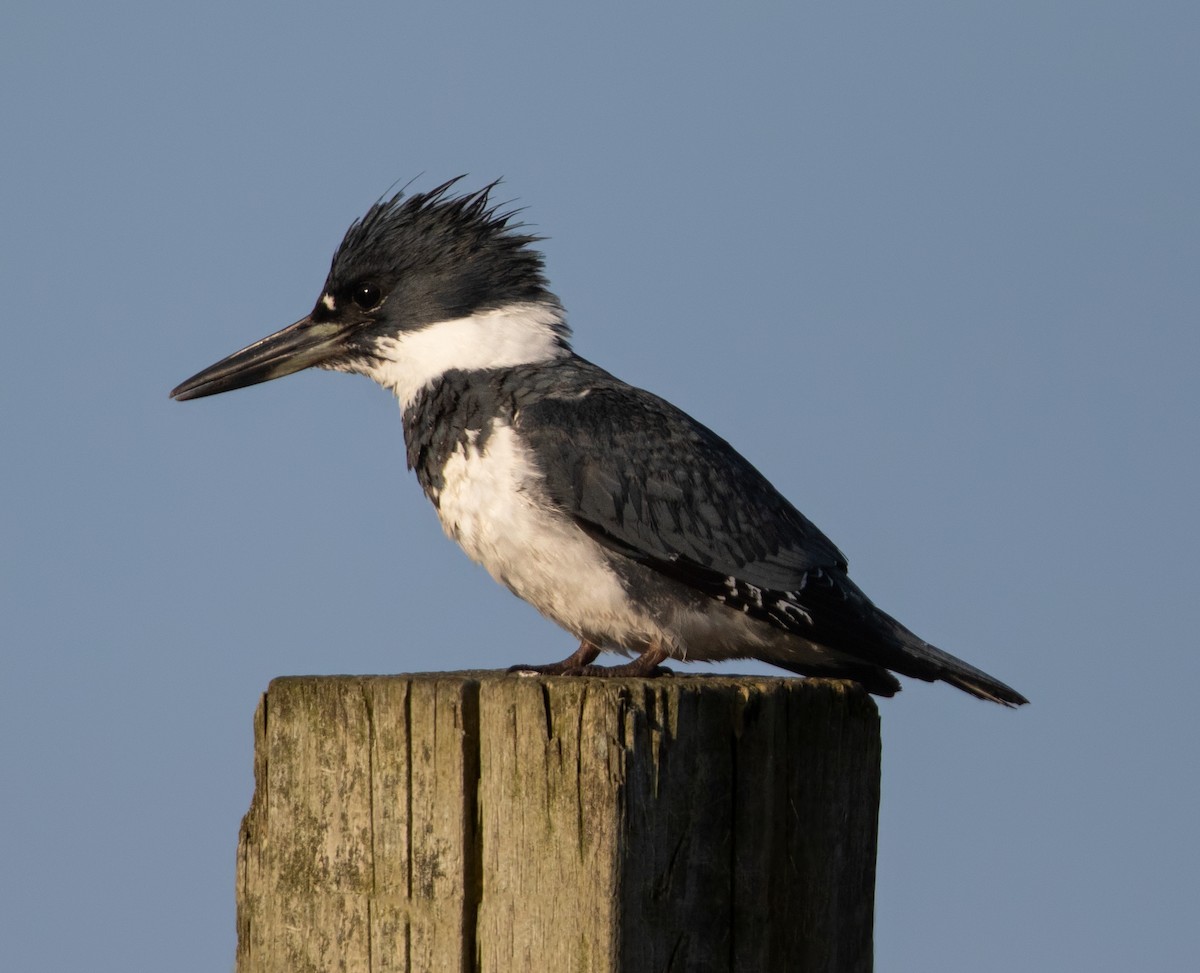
615, 514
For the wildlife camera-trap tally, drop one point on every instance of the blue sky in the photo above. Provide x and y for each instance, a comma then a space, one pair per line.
930, 266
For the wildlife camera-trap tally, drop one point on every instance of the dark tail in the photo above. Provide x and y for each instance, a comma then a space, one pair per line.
901, 651
934, 664
917, 658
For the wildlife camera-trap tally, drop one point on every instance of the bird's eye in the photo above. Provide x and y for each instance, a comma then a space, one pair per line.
365, 296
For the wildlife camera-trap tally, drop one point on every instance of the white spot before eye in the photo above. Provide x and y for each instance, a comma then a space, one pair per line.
328, 301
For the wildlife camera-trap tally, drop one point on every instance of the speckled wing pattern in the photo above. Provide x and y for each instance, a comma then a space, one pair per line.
649, 482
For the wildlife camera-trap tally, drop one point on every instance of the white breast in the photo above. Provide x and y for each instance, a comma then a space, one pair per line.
493, 504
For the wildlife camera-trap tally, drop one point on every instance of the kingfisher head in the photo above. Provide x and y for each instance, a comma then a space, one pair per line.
420, 285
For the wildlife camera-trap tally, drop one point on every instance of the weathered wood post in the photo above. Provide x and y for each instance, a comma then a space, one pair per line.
480, 821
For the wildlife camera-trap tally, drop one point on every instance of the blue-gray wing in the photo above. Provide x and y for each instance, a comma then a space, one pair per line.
649, 481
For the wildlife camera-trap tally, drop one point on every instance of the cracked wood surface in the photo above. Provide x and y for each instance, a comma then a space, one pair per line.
485, 822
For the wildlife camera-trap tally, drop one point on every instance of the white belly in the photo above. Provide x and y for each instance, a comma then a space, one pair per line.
493, 504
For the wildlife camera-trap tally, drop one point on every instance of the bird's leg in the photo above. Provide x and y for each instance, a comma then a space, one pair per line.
577, 660
578, 663
644, 666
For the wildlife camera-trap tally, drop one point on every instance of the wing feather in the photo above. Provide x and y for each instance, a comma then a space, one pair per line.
651, 481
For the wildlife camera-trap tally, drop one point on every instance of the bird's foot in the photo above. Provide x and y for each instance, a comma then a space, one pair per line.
628, 670
579, 663
570, 666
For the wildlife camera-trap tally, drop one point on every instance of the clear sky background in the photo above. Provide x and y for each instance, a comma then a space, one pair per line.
934, 267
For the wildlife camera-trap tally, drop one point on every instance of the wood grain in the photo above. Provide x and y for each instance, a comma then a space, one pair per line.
480, 821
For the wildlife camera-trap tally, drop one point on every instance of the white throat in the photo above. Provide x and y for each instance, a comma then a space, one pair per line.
517, 334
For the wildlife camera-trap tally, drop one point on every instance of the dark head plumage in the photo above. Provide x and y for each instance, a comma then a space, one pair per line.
437, 252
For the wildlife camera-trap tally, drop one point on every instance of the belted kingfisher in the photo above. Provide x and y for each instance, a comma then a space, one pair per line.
612, 512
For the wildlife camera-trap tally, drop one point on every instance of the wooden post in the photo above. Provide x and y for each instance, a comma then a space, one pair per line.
484, 822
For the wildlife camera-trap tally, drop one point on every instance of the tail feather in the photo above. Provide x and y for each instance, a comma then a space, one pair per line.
895, 647
856, 627
947, 668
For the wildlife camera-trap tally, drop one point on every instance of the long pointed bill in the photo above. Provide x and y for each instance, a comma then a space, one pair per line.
298, 346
